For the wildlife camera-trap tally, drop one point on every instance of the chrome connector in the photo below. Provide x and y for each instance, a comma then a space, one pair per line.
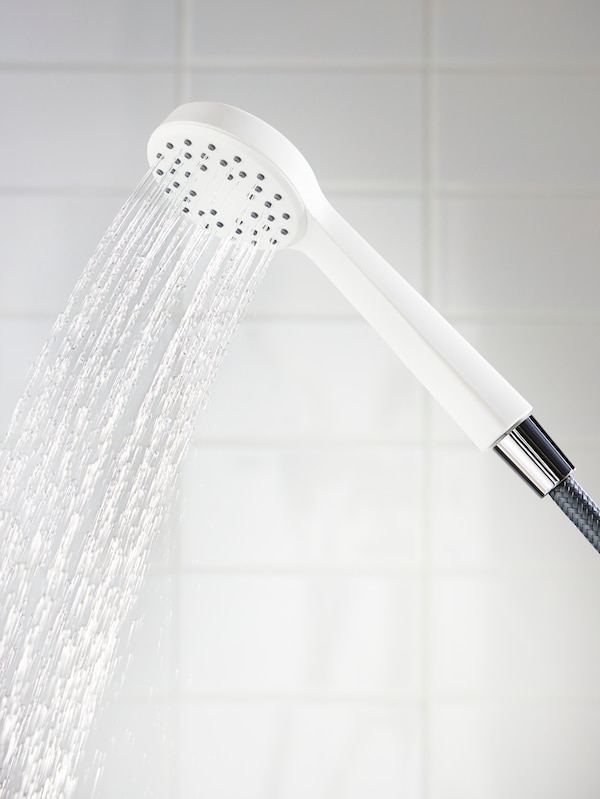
532, 453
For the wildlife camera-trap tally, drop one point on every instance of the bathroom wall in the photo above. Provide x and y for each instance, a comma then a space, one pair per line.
352, 602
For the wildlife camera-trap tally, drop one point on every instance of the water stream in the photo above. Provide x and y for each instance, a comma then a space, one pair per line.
89, 466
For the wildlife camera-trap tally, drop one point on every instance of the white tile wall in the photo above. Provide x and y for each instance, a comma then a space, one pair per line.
330, 31
484, 242
309, 506
111, 32
509, 129
532, 33
514, 636
39, 271
297, 749
327, 380
50, 142
21, 339
515, 749
351, 602
330, 635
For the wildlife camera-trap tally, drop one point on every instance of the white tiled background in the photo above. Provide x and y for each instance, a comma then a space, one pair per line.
353, 602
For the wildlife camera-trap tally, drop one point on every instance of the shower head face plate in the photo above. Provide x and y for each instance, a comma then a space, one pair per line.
211, 161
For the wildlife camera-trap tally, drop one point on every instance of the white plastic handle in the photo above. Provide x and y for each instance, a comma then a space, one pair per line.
475, 395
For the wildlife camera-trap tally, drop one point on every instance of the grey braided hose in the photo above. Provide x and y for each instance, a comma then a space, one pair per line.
581, 510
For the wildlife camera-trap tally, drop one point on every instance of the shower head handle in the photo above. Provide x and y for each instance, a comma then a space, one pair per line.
472, 392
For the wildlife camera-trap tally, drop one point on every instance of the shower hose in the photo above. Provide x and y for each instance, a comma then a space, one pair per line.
580, 509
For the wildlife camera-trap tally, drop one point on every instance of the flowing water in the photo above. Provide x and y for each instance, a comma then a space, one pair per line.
89, 466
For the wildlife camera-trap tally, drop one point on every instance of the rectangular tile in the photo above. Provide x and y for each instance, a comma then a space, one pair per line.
519, 636
515, 750
278, 634
39, 271
307, 507
129, 754
538, 31
525, 254
67, 30
311, 380
510, 130
145, 667
349, 30
21, 341
293, 751
80, 129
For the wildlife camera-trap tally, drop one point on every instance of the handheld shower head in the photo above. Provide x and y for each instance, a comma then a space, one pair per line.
235, 174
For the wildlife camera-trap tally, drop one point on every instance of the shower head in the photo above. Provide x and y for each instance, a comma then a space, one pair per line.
236, 175
216, 157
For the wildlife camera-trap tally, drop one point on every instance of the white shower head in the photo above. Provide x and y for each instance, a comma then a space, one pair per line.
235, 174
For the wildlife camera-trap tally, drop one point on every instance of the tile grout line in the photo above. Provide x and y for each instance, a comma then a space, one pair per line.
482, 700
551, 573
182, 10
310, 65
525, 316
428, 232
174, 530
181, 55
531, 317
337, 189
185, 49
